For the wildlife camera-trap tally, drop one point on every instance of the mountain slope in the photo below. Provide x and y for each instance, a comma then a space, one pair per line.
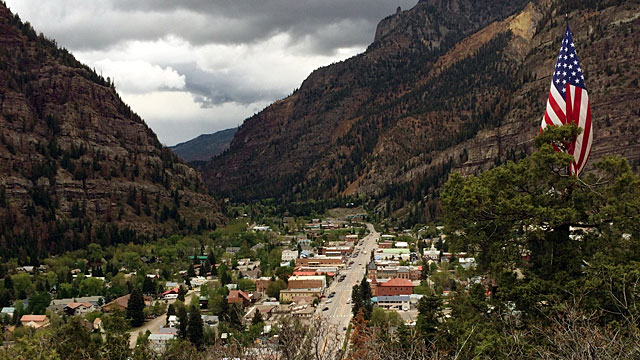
77, 165
205, 146
332, 122
446, 85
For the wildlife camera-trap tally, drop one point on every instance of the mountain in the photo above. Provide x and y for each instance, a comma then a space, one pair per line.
447, 85
205, 146
77, 165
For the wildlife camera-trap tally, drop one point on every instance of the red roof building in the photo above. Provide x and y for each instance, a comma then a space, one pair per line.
239, 297
395, 287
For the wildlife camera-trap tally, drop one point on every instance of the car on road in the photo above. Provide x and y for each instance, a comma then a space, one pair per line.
325, 308
348, 301
329, 301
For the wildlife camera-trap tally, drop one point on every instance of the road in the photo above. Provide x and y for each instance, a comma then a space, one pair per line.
339, 313
155, 324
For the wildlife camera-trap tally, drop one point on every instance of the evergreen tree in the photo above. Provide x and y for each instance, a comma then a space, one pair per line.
183, 321
211, 259
428, 312
191, 272
135, 308
8, 285
257, 318
204, 269
170, 312
195, 328
148, 286
235, 316
182, 291
365, 296
356, 299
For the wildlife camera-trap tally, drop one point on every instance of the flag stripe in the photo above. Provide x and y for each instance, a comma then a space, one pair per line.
568, 103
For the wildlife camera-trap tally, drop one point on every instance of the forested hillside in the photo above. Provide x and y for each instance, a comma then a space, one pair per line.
446, 85
77, 165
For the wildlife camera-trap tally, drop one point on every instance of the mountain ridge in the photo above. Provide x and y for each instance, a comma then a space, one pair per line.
205, 146
436, 91
78, 165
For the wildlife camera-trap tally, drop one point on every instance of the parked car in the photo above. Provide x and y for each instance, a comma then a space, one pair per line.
325, 308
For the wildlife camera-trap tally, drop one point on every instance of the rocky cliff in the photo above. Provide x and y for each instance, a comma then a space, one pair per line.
448, 85
77, 165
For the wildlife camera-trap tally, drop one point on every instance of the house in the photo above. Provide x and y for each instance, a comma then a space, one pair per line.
402, 244
170, 291
35, 321
58, 305
288, 255
122, 303
395, 287
238, 297
261, 228
232, 249
7, 311
385, 245
335, 250
158, 342
78, 308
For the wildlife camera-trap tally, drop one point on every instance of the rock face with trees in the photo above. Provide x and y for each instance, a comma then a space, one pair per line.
77, 164
445, 85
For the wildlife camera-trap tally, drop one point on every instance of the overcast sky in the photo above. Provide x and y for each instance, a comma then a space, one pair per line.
197, 66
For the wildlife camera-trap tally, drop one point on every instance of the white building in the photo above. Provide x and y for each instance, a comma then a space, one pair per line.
432, 254
467, 262
158, 342
288, 255
401, 244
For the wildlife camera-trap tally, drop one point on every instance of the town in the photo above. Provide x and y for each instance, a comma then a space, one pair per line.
242, 281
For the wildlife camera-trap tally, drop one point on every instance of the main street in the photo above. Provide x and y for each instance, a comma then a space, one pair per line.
338, 315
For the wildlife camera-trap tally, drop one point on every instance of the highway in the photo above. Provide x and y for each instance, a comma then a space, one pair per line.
339, 313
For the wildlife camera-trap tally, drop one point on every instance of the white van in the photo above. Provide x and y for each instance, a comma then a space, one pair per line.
170, 297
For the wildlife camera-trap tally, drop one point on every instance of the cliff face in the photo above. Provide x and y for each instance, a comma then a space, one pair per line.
448, 85
74, 157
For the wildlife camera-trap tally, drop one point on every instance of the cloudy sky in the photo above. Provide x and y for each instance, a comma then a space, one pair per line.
190, 67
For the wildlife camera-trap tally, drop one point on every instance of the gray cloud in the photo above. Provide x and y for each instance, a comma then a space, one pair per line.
206, 63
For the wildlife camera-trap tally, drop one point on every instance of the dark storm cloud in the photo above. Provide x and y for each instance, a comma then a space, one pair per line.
347, 22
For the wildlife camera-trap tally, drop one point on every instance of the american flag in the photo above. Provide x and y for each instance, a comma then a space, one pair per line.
568, 102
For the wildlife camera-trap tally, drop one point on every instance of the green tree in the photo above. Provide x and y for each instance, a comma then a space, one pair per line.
148, 286
365, 296
195, 327
182, 291
73, 341
38, 303
135, 308
274, 288
170, 312
191, 272
116, 343
429, 308
183, 321
257, 318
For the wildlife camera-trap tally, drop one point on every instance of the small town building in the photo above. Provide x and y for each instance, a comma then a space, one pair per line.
288, 295
307, 282
35, 321
238, 297
78, 308
288, 255
394, 287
